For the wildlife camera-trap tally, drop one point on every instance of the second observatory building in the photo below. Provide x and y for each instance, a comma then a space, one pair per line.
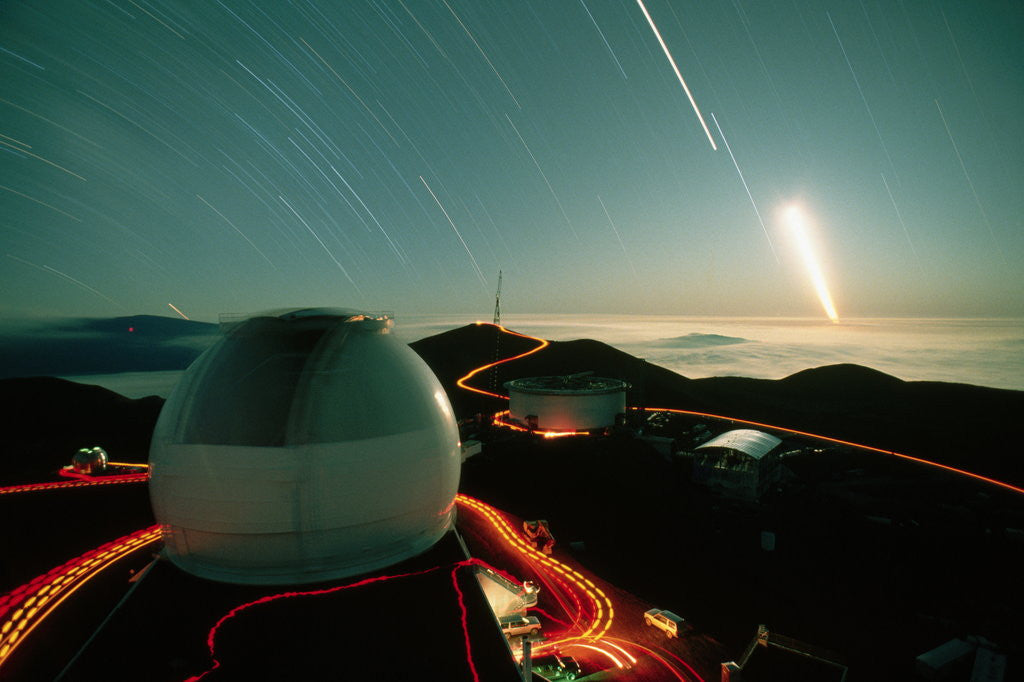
577, 402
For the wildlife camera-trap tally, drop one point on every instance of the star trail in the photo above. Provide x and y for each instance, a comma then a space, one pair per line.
236, 156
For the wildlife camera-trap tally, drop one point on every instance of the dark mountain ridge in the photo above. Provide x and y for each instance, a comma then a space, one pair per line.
972, 427
49, 419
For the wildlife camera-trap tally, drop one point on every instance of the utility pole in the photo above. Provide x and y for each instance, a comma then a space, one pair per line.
497, 302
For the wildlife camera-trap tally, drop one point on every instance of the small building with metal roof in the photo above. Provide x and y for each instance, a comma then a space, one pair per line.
739, 463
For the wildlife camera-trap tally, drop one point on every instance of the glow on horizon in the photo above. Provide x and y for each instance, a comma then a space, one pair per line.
794, 216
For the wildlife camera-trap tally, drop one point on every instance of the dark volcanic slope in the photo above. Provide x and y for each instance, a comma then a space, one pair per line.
957, 424
453, 353
48, 419
967, 426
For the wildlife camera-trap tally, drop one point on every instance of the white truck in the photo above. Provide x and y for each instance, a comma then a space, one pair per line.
668, 622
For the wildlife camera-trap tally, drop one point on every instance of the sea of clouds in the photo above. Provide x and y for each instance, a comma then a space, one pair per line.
985, 352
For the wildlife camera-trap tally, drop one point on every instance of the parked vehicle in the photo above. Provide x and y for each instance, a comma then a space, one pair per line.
516, 626
671, 624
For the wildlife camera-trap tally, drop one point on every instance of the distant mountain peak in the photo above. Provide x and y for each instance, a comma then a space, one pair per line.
695, 340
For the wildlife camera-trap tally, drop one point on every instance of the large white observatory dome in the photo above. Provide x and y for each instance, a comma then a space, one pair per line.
301, 447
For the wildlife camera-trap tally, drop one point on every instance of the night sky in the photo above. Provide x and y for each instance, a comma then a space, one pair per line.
227, 156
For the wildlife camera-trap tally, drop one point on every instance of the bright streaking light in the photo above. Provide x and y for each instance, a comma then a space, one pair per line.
175, 309
686, 89
798, 225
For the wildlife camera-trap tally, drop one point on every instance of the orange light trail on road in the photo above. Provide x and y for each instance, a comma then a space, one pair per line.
35, 600
616, 662
500, 421
625, 653
31, 603
604, 612
555, 587
461, 383
962, 472
550, 617
114, 478
78, 483
660, 659
541, 344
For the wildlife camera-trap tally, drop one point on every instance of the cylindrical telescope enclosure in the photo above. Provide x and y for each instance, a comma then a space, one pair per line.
302, 447
577, 402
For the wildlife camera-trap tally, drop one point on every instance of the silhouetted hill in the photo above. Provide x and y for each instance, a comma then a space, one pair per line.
962, 425
973, 427
49, 419
139, 343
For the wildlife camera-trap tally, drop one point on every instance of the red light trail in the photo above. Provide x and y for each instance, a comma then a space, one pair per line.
25, 607
611, 657
663, 661
601, 606
211, 638
82, 482
465, 625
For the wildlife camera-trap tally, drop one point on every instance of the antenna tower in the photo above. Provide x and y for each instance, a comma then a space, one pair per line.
497, 301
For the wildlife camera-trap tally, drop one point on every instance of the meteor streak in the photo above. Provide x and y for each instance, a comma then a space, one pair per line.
175, 309
675, 68
795, 218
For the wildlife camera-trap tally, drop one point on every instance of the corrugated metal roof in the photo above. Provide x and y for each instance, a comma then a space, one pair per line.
753, 443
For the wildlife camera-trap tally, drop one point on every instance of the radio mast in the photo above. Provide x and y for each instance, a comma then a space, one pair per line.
497, 301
